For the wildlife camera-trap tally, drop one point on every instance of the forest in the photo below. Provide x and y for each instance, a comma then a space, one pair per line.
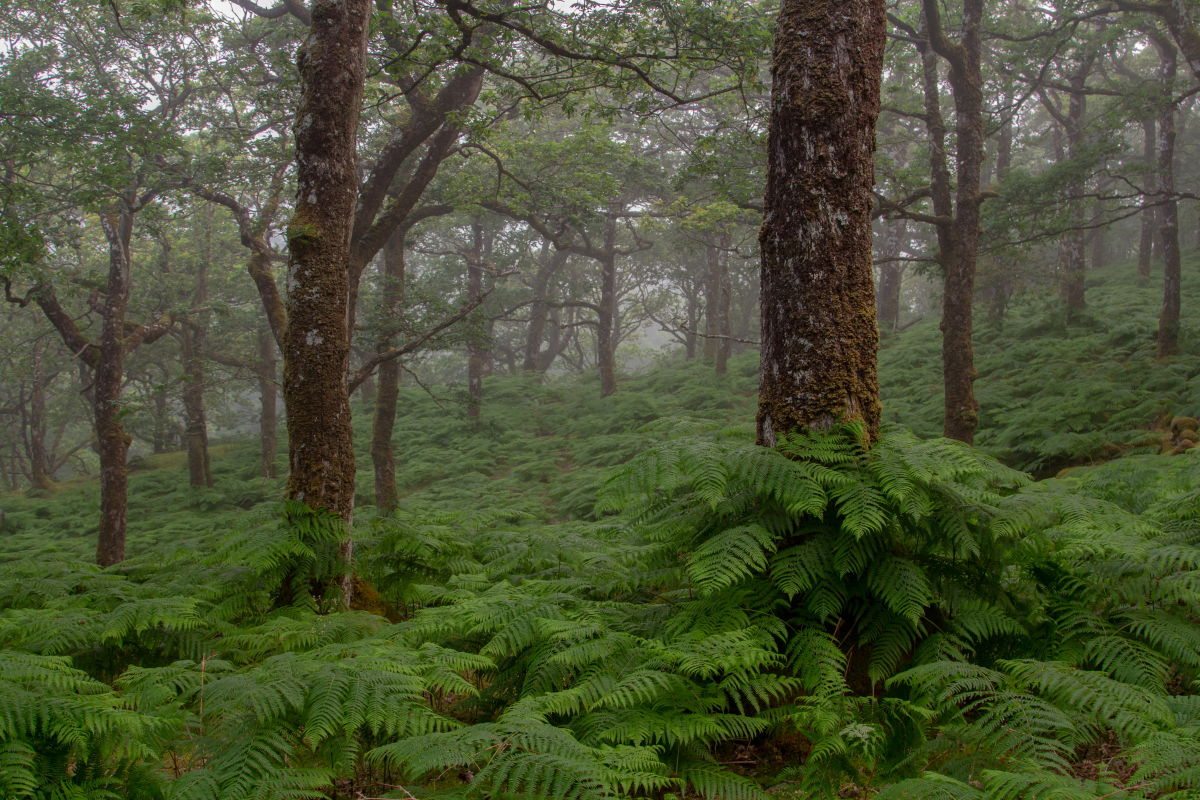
599, 400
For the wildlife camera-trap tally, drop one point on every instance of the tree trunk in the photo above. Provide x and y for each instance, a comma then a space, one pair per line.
693, 319
539, 308
891, 273
717, 292
1168, 320
40, 477
478, 353
195, 425
819, 338
724, 323
1149, 214
712, 293
383, 422
316, 342
112, 441
960, 244
193, 339
1073, 244
606, 325
268, 428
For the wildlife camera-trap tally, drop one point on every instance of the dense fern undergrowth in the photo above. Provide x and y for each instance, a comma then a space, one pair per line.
589, 599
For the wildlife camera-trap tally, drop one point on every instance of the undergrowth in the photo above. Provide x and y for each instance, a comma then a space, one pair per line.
593, 599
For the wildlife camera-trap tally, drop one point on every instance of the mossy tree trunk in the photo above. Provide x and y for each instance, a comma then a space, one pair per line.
819, 339
316, 341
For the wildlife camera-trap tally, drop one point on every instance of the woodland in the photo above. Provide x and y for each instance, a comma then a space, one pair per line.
487, 400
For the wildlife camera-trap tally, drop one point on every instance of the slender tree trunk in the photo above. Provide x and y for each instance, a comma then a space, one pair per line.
113, 441
693, 319
712, 293
539, 310
383, 457
40, 471
891, 273
724, 323
316, 342
195, 424
268, 427
606, 325
1074, 241
961, 415
477, 351
1149, 215
193, 339
1168, 320
819, 338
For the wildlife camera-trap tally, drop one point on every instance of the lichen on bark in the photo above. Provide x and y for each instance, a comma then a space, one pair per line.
819, 337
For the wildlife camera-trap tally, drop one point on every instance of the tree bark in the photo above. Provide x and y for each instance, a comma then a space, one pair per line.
539, 309
958, 259
316, 343
1149, 213
478, 351
40, 471
268, 417
819, 338
606, 324
383, 422
112, 440
1168, 320
193, 340
1073, 243
891, 273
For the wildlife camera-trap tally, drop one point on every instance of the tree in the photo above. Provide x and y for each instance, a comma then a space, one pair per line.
135, 87
316, 340
819, 338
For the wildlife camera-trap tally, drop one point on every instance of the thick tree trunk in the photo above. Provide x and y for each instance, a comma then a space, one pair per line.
606, 325
383, 422
819, 338
268, 417
1168, 320
316, 343
1149, 214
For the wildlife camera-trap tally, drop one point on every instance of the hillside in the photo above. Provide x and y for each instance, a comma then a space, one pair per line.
585, 597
